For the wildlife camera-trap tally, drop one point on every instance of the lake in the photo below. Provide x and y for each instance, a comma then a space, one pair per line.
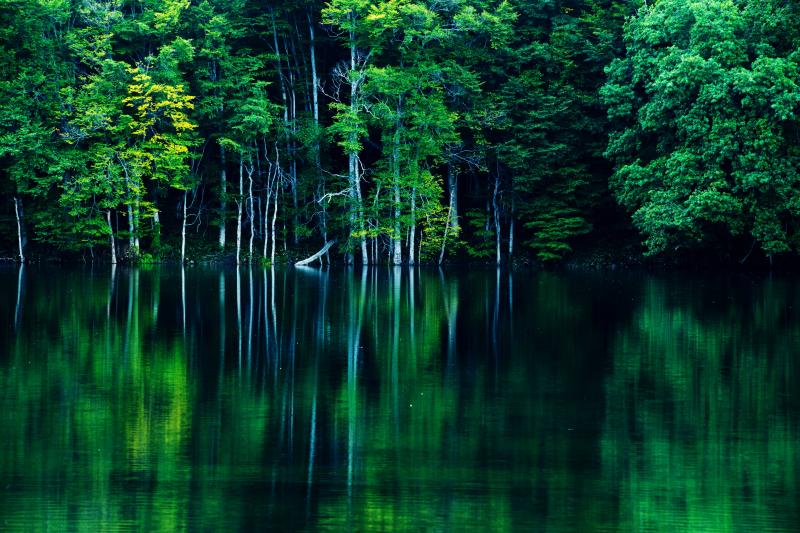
217, 399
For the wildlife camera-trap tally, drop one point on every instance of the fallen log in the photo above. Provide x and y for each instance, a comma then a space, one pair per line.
316, 255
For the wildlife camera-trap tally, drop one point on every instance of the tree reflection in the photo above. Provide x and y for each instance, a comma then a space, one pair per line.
375, 399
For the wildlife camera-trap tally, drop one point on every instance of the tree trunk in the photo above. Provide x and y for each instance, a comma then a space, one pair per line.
444, 238
317, 255
251, 211
133, 216
266, 210
315, 110
156, 220
355, 181
274, 218
131, 229
223, 182
21, 234
315, 84
293, 147
497, 229
413, 231
239, 212
452, 184
511, 229
183, 229
111, 238
397, 237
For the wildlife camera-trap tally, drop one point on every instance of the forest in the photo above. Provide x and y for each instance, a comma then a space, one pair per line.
399, 131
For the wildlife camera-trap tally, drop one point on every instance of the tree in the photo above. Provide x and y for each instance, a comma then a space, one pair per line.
706, 100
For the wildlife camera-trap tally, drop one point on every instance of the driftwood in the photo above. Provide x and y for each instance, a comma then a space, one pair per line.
316, 255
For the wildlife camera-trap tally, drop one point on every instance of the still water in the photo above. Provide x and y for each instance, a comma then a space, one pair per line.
396, 399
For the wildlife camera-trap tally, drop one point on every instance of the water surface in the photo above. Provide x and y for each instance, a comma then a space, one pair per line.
424, 400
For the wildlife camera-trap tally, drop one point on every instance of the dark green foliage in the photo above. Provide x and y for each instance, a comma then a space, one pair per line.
404, 129
705, 104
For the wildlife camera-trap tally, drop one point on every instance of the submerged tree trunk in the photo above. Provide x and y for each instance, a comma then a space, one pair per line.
223, 184
317, 255
111, 237
21, 234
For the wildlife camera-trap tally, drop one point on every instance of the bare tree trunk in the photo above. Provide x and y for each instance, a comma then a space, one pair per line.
133, 217
315, 109
111, 237
452, 209
444, 238
250, 210
511, 229
397, 237
497, 229
183, 228
239, 212
452, 184
413, 231
292, 149
314, 82
355, 180
223, 181
131, 229
266, 210
274, 218
317, 255
156, 219
21, 235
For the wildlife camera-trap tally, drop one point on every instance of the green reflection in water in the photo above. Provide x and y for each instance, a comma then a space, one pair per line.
235, 400
701, 430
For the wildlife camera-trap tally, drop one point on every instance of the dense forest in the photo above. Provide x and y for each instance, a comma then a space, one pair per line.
398, 131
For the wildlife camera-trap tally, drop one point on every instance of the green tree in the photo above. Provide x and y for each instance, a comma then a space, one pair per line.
705, 104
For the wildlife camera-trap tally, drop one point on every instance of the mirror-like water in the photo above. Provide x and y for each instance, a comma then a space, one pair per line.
225, 400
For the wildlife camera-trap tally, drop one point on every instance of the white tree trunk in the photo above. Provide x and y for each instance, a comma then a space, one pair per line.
251, 210
511, 230
223, 183
266, 211
183, 229
239, 212
444, 238
111, 237
317, 255
274, 218
131, 229
497, 229
397, 237
355, 180
413, 232
20, 228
